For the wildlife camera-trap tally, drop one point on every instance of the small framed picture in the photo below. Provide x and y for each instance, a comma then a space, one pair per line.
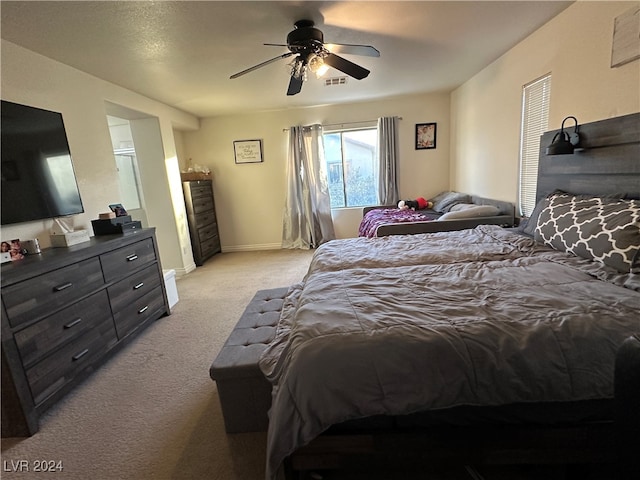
12, 250
118, 209
426, 135
247, 151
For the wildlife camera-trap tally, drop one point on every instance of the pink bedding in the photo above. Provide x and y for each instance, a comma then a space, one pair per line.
375, 218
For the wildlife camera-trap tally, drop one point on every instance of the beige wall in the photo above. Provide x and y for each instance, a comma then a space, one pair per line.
478, 129
575, 47
250, 197
32, 79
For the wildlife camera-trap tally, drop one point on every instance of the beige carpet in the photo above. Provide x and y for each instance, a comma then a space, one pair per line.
152, 412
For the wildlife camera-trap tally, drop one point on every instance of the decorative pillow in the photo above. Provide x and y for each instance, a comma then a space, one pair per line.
603, 229
528, 227
445, 200
471, 211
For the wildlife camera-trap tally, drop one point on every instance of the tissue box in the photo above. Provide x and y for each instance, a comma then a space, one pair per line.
69, 239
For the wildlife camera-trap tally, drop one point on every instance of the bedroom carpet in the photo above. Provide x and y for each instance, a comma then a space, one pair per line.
152, 412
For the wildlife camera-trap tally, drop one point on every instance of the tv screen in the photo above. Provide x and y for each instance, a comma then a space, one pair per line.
38, 180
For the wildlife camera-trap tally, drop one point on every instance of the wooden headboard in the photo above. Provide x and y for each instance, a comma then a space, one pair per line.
608, 160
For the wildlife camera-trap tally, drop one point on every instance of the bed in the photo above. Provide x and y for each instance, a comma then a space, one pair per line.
479, 346
450, 211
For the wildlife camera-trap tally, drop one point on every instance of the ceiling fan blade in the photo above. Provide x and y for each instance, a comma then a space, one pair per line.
255, 67
365, 50
295, 86
345, 66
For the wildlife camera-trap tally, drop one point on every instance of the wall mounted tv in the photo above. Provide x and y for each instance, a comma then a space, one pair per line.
38, 180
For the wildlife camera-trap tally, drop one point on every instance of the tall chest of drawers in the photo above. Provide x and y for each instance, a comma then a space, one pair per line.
201, 216
65, 311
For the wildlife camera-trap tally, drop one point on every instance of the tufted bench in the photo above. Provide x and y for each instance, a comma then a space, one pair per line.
245, 395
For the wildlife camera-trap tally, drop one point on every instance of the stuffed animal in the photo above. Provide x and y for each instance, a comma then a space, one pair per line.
417, 204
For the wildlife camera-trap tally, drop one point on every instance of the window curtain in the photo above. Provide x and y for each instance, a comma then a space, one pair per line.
307, 219
388, 160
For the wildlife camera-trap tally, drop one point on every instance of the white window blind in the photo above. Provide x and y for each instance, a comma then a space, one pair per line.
535, 115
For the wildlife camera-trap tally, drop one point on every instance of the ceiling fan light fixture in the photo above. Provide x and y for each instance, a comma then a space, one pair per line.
317, 65
306, 45
298, 69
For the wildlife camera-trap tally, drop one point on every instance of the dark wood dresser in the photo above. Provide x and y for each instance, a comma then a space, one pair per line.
65, 311
201, 215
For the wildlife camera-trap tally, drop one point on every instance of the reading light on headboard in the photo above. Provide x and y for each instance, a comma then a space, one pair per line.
563, 143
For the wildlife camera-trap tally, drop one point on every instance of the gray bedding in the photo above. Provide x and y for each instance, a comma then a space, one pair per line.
401, 324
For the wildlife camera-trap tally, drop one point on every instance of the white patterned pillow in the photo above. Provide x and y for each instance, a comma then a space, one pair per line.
603, 229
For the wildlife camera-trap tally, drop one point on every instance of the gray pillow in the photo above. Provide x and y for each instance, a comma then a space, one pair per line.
606, 230
529, 227
471, 211
445, 200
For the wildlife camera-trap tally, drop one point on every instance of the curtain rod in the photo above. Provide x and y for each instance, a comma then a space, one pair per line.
344, 123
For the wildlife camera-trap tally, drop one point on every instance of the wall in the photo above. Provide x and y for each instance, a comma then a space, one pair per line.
486, 110
32, 79
250, 197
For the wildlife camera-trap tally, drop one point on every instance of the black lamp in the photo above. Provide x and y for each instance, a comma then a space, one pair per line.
563, 143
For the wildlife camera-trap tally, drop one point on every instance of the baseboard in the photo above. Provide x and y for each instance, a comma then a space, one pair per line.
248, 248
186, 269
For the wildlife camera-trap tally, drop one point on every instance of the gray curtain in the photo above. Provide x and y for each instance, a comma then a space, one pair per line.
307, 219
387, 160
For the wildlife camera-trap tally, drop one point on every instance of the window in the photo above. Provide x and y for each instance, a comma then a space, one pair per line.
352, 169
535, 114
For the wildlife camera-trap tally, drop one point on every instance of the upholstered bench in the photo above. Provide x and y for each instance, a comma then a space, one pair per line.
245, 395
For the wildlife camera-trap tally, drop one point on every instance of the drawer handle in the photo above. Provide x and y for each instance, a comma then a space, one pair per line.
59, 288
143, 309
78, 356
140, 285
73, 323
132, 257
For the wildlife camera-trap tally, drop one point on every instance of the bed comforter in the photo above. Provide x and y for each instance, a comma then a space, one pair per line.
476, 317
383, 216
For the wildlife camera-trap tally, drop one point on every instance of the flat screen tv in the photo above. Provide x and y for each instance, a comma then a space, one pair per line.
38, 180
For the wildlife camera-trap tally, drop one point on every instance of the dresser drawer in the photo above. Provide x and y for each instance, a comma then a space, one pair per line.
37, 297
125, 260
200, 189
204, 219
202, 204
126, 291
49, 375
37, 341
205, 233
211, 246
138, 312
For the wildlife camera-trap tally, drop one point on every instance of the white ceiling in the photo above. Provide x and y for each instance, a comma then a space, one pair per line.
183, 52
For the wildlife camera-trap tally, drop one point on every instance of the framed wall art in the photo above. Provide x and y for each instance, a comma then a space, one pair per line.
426, 135
247, 151
626, 38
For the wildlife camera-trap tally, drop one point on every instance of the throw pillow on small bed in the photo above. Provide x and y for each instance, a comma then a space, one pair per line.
470, 210
443, 202
603, 229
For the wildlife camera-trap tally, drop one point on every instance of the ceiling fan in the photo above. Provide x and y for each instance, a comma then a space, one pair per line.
306, 44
